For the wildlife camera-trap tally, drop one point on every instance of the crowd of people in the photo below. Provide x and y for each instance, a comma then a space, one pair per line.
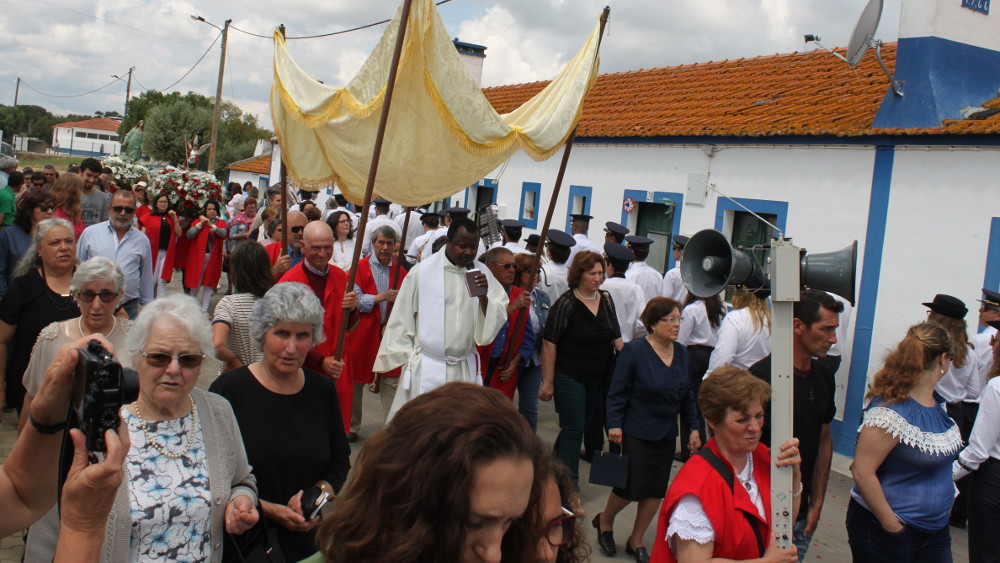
460, 339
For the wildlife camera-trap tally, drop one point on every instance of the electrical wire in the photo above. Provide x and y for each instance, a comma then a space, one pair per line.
332, 33
30, 87
203, 55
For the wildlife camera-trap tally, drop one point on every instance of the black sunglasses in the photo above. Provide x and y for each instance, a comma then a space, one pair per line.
123, 209
298, 229
88, 296
47, 207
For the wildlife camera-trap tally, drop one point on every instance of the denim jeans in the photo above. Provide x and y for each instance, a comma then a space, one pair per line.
574, 400
870, 543
529, 381
800, 540
132, 309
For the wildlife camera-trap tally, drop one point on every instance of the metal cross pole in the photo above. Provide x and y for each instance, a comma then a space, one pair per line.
376, 385
785, 289
373, 170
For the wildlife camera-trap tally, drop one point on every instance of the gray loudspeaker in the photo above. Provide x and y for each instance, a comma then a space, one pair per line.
834, 272
711, 263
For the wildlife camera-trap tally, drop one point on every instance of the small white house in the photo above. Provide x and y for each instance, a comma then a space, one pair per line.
256, 170
827, 153
90, 137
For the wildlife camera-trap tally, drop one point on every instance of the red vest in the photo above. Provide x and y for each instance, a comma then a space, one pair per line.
273, 251
152, 225
508, 387
196, 258
332, 298
363, 341
734, 539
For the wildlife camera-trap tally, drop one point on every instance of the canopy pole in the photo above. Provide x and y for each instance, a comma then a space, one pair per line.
373, 170
283, 210
511, 353
376, 385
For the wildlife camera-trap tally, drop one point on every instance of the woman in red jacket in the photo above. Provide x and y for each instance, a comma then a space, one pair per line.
204, 259
719, 505
162, 227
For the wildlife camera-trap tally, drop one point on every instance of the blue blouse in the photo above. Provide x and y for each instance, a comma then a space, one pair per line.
646, 395
916, 475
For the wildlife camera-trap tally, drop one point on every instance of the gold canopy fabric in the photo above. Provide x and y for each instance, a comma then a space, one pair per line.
442, 134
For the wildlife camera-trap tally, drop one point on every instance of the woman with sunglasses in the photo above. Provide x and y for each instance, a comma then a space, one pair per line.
34, 206
204, 258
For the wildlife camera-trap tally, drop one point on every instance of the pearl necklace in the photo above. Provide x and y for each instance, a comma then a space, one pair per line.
591, 298
79, 325
149, 437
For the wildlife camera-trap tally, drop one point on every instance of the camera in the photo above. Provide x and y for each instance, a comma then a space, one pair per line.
106, 387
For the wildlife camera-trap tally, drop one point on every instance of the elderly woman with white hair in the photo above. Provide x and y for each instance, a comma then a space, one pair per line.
186, 472
289, 416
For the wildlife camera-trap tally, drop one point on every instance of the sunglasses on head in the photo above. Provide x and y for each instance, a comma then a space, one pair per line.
88, 296
162, 359
123, 209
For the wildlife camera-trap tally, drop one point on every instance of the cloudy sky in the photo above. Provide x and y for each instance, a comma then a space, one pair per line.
68, 47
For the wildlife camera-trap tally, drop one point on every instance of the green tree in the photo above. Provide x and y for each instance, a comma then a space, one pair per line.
169, 124
139, 106
238, 136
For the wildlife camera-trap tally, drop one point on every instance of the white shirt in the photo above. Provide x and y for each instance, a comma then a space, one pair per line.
414, 229
696, 330
984, 442
516, 248
582, 243
343, 254
984, 354
553, 280
421, 247
960, 384
844, 328
628, 299
673, 285
739, 343
378, 221
645, 277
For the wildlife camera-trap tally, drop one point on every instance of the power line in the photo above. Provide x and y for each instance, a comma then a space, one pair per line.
324, 34
201, 58
30, 87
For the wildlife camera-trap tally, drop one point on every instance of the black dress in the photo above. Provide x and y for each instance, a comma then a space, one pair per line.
31, 306
292, 441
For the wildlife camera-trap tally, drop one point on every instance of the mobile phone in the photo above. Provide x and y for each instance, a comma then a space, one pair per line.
470, 281
319, 504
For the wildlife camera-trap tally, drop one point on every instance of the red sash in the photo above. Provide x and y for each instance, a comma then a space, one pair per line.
152, 225
363, 341
508, 387
196, 258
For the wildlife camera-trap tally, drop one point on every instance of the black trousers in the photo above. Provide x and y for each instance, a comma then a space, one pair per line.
964, 415
984, 513
699, 363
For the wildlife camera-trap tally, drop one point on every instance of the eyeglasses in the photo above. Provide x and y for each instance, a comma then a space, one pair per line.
88, 296
123, 209
560, 530
672, 320
162, 360
347, 221
505, 266
298, 229
47, 207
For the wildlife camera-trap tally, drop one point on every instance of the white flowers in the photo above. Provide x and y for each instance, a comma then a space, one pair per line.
188, 190
125, 172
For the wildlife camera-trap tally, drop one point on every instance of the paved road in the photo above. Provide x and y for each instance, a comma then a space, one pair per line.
829, 544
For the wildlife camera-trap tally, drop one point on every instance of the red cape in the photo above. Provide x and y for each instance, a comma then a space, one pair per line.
152, 225
274, 251
196, 259
485, 352
363, 341
332, 298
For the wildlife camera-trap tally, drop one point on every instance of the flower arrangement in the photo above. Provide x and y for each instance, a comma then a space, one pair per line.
126, 172
188, 190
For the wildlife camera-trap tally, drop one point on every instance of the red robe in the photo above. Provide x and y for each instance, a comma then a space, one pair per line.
152, 225
273, 252
332, 298
363, 341
196, 258
485, 352
734, 539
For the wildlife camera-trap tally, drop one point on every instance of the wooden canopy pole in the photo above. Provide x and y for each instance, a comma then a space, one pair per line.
373, 170
376, 385
283, 210
536, 258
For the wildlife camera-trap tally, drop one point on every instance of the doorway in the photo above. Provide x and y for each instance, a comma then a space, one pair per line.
655, 220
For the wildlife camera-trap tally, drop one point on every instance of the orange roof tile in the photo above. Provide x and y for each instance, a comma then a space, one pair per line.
255, 164
102, 123
812, 93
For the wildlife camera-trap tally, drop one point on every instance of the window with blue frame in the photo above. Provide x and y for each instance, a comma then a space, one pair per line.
531, 193
578, 202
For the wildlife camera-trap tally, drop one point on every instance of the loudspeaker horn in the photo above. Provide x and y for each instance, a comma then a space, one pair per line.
711, 263
834, 272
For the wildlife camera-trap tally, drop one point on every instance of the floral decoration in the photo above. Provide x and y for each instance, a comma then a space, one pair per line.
188, 190
125, 171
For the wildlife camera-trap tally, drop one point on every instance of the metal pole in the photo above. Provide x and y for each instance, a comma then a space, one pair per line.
17, 90
218, 101
785, 289
373, 170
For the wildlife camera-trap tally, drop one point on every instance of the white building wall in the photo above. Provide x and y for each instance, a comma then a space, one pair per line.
69, 143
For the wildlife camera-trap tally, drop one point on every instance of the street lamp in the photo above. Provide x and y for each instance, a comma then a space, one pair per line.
218, 90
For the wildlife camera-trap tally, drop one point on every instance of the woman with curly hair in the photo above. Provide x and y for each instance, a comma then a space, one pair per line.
902, 467
450, 479
561, 540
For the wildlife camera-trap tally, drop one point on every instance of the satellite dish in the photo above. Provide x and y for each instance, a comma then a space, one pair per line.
864, 32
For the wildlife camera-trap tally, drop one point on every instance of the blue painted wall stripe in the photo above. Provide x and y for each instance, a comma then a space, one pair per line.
992, 279
845, 433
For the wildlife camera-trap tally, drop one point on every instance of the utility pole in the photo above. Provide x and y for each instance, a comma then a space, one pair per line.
218, 100
128, 93
17, 90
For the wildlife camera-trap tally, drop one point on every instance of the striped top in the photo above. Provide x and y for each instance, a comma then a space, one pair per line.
234, 310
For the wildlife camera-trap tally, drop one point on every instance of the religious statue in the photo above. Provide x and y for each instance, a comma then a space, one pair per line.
132, 147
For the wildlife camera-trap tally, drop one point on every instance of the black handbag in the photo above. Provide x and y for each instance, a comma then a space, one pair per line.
259, 544
609, 470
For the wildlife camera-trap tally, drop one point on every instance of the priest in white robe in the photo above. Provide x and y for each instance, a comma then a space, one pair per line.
436, 325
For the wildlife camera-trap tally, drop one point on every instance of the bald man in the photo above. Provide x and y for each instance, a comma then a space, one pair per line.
329, 284
280, 263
